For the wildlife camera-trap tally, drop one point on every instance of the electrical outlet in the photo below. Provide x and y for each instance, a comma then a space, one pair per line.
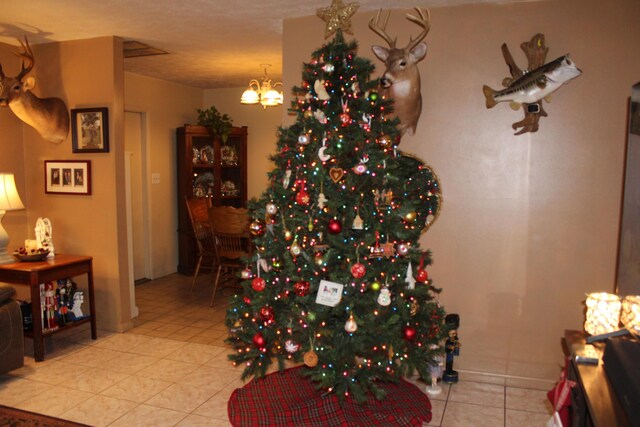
155, 178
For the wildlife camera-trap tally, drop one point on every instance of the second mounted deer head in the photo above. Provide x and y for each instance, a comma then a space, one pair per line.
401, 78
49, 116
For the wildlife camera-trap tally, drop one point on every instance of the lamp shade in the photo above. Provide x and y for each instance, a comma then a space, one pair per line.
250, 96
9, 197
630, 315
603, 313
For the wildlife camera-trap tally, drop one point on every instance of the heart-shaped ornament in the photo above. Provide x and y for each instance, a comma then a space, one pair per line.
336, 174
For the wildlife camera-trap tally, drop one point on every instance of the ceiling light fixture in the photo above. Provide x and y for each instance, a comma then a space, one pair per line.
264, 93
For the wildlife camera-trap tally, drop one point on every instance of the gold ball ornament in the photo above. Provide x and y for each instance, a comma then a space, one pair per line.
375, 286
257, 228
410, 216
288, 235
271, 208
384, 141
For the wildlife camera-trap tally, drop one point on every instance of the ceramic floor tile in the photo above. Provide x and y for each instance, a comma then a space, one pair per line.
167, 370
98, 411
149, 416
195, 353
528, 400
216, 406
437, 411
54, 401
15, 390
94, 357
209, 378
180, 398
200, 421
477, 393
467, 415
526, 419
93, 380
50, 373
123, 342
157, 347
136, 389
130, 363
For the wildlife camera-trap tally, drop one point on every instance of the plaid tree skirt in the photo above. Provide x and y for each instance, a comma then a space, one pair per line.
289, 399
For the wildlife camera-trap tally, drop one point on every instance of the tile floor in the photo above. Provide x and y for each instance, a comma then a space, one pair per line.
172, 370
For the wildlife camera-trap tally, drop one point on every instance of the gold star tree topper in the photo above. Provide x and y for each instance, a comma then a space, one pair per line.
338, 17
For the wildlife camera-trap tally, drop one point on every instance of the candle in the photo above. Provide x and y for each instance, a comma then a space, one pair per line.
30, 245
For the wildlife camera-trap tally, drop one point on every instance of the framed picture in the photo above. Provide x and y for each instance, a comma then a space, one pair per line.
67, 177
329, 293
90, 130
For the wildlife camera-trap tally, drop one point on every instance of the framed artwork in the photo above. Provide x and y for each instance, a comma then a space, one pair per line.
90, 130
67, 177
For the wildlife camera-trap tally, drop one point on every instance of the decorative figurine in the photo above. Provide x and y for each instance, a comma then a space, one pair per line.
44, 235
76, 310
50, 306
435, 371
451, 348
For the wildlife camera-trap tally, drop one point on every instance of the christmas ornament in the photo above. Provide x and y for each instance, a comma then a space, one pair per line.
322, 155
384, 141
414, 308
302, 198
291, 346
376, 251
288, 235
257, 227
384, 299
310, 358
286, 179
301, 288
350, 325
328, 68
345, 118
358, 223
308, 113
258, 284
411, 282
337, 17
321, 91
361, 167
421, 274
271, 208
388, 249
375, 285
267, 315
304, 139
373, 96
320, 116
246, 274
334, 226
410, 216
295, 249
336, 174
358, 270
259, 341
409, 333
402, 249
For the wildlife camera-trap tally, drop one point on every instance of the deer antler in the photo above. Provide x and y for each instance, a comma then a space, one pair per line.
27, 55
381, 31
422, 21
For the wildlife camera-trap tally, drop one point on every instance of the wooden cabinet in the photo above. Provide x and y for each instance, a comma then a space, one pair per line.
207, 168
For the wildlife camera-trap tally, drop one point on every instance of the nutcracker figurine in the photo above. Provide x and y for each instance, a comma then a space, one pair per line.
451, 348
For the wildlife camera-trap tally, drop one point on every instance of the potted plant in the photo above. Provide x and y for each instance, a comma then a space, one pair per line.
218, 124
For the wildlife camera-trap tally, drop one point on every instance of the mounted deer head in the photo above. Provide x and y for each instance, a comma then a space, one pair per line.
49, 116
401, 78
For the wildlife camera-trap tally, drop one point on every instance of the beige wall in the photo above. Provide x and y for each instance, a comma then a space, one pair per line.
86, 73
262, 127
529, 223
166, 106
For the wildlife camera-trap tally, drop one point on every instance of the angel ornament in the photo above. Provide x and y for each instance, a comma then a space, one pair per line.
44, 235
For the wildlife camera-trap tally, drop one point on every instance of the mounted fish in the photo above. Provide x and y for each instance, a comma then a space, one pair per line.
527, 88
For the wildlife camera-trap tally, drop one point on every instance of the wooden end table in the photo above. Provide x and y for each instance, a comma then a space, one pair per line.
33, 274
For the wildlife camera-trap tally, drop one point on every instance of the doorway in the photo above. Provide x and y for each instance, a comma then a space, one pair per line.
137, 201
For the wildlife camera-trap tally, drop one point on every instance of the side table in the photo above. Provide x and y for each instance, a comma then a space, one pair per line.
32, 274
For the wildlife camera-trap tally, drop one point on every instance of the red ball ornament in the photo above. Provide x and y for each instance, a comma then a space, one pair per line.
302, 198
358, 270
301, 288
345, 119
258, 284
259, 341
267, 315
409, 333
334, 226
422, 276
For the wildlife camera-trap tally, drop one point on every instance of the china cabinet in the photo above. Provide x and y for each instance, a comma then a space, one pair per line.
207, 168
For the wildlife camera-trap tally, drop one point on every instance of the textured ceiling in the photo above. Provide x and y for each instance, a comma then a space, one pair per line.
212, 43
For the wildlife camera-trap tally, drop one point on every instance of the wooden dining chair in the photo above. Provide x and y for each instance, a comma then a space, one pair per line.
231, 241
198, 209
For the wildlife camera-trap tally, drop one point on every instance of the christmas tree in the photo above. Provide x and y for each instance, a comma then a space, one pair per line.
338, 279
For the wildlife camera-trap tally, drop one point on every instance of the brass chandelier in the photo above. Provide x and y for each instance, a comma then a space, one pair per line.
264, 93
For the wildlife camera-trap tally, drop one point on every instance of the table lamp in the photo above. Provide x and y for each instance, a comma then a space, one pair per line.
603, 313
9, 201
630, 314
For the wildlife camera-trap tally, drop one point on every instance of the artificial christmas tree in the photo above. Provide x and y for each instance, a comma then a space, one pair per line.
338, 280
